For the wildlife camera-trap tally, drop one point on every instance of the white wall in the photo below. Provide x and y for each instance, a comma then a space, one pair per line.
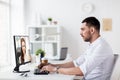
4, 32
17, 17
69, 15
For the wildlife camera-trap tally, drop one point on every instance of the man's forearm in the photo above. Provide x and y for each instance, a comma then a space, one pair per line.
65, 65
70, 71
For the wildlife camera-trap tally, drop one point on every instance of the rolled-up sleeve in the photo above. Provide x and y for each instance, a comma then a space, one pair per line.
79, 60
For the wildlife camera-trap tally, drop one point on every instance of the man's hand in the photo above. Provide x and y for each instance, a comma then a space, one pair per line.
49, 68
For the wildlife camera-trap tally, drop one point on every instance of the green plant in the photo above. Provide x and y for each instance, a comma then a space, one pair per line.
41, 52
49, 19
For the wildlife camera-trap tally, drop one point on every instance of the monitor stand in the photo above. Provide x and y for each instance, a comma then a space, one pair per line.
16, 69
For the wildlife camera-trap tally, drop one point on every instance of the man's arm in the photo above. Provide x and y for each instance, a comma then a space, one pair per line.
64, 65
70, 71
66, 68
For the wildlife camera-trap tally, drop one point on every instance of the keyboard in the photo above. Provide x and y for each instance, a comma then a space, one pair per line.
40, 72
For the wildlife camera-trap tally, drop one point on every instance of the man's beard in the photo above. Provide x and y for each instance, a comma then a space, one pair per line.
88, 39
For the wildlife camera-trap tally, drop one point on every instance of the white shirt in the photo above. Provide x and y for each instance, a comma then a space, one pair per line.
97, 62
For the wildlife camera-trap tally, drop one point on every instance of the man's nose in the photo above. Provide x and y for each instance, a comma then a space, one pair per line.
80, 32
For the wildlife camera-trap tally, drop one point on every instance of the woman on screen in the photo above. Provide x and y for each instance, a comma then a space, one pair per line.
24, 56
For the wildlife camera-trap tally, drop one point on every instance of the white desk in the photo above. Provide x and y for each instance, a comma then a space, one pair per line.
31, 76
7, 74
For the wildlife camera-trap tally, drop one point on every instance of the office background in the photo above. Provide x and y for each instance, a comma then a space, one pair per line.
69, 14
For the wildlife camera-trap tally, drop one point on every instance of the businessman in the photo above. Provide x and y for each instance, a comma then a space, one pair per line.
97, 61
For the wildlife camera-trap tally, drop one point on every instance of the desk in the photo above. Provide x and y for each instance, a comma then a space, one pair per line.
31, 76
7, 74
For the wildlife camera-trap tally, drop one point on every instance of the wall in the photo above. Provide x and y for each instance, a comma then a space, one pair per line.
17, 17
4, 32
69, 14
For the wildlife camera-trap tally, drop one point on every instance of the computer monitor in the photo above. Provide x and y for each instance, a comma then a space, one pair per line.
22, 51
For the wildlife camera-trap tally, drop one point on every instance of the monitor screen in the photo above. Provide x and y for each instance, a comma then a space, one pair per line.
22, 50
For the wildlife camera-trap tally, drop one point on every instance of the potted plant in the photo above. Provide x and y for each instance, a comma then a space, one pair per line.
50, 20
40, 53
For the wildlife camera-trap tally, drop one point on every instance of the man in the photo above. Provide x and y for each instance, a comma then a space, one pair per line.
97, 61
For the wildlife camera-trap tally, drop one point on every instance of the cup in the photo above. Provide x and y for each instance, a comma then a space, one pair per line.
44, 61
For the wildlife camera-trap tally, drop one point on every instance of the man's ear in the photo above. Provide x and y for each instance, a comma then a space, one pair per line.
92, 30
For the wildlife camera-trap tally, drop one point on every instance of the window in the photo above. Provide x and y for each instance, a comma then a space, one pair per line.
4, 31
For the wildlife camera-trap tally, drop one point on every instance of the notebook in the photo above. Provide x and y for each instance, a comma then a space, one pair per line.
63, 54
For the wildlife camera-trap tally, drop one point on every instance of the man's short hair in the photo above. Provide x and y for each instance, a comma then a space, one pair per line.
92, 21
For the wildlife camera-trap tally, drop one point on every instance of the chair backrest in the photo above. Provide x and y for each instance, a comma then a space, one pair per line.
116, 69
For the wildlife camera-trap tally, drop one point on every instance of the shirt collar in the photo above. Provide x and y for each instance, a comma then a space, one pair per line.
96, 41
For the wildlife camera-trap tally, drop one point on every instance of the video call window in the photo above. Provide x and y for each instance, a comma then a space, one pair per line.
22, 49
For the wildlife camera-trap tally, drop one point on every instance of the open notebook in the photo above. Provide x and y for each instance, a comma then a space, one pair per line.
63, 54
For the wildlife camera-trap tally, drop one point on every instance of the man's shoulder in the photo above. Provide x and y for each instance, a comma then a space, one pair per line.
102, 47
103, 42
